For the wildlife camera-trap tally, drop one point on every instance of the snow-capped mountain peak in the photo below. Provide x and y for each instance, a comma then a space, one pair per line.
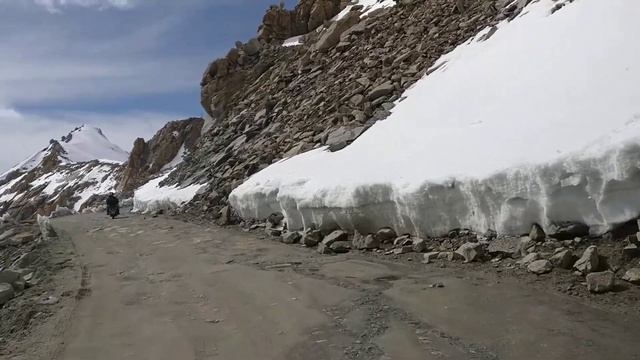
86, 143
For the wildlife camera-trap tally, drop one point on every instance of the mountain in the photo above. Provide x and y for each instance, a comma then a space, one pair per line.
81, 168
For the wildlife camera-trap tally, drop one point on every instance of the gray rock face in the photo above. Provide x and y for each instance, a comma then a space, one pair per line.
337, 235
291, 237
632, 276
600, 282
589, 262
6, 293
539, 267
563, 259
385, 236
471, 251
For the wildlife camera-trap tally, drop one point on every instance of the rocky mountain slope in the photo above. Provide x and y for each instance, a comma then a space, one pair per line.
79, 170
271, 101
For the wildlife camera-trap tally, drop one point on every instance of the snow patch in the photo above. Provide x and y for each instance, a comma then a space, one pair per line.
151, 196
368, 7
293, 41
540, 123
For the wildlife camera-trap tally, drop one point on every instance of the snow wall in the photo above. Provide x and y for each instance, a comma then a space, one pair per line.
152, 197
539, 123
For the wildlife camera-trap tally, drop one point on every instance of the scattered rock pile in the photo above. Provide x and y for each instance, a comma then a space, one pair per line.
541, 256
270, 102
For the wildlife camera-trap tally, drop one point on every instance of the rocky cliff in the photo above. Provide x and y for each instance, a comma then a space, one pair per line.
162, 152
271, 101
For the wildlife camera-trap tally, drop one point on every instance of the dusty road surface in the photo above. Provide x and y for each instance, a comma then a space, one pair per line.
160, 289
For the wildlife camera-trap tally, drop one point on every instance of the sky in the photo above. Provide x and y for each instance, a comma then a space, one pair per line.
126, 66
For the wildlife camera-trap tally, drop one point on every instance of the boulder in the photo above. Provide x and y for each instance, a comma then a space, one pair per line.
337, 235
385, 235
311, 238
600, 282
563, 259
291, 237
471, 251
324, 249
340, 247
403, 250
383, 89
632, 276
419, 245
589, 262
525, 261
275, 219
362, 242
539, 267
631, 251
331, 37
526, 246
6, 293
537, 234
506, 246
9, 276
224, 216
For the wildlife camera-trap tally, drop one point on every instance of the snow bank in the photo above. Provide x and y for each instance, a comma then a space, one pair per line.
538, 124
293, 41
151, 196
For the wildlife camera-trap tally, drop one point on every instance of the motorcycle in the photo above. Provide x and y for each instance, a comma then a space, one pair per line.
113, 211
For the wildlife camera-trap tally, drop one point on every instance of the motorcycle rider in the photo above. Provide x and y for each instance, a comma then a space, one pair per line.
113, 205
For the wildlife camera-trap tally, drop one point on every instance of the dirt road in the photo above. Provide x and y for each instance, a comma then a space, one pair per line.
159, 289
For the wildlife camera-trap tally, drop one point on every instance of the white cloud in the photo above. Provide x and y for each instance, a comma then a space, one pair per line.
32, 132
54, 6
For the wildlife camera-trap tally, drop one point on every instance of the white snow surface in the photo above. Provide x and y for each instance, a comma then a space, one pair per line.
540, 123
151, 196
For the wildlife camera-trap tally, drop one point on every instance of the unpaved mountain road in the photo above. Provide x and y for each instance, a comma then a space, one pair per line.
161, 289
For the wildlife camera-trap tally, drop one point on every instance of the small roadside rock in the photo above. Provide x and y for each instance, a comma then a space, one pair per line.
539, 267
589, 261
337, 235
48, 300
385, 235
340, 247
419, 245
563, 259
437, 285
525, 261
537, 234
291, 237
471, 251
368, 242
311, 238
429, 257
632, 276
600, 282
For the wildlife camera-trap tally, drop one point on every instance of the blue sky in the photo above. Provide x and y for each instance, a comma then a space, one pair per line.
127, 66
